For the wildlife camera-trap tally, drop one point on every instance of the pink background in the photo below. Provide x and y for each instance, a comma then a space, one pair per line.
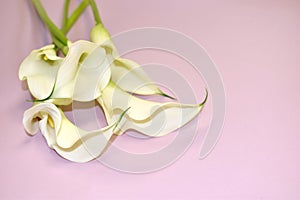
254, 43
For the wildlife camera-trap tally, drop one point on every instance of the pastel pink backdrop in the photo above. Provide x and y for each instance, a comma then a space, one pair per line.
255, 45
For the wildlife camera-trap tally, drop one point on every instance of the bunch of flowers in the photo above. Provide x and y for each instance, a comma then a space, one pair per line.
65, 71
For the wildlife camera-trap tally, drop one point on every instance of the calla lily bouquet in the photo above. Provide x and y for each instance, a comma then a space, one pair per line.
65, 71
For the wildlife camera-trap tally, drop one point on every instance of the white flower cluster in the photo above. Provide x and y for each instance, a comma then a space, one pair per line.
94, 71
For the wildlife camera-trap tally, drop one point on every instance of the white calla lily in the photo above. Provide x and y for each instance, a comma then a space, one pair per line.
80, 76
63, 136
150, 118
50, 118
127, 74
40, 69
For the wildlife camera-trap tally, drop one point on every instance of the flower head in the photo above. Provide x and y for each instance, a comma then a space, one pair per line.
64, 137
40, 69
80, 76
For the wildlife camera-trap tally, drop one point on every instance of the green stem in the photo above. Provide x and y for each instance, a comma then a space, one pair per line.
75, 15
65, 15
50, 25
95, 12
59, 45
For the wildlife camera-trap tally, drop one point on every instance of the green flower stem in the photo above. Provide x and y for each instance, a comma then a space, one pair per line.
59, 45
56, 32
75, 15
66, 14
95, 12
59, 35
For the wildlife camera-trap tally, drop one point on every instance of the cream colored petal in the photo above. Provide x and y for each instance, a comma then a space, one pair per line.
93, 75
166, 120
129, 76
50, 121
89, 147
149, 118
68, 133
47, 131
67, 73
40, 69
83, 73
116, 98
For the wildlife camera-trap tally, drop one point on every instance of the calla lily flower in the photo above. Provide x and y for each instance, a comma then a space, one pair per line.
82, 80
65, 79
127, 74
147, 117
64, 137
40, 69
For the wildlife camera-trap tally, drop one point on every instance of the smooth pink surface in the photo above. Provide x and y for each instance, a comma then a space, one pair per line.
255, 45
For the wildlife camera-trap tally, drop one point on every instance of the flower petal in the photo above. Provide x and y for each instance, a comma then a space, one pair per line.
129, 76
93, 76
83, 73
40, 69
50, 121
150, 118
69, 134
48, 133
67, 73
88, 148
